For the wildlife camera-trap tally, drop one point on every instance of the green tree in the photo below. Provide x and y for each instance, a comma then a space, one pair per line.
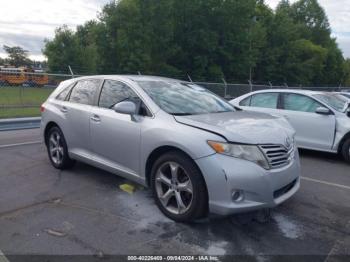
87, 36
17, 56
305, 62
346, 73
206, 39
313, 21
63, 51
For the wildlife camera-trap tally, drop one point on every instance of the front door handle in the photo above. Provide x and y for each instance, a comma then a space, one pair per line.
95, 118
64, 109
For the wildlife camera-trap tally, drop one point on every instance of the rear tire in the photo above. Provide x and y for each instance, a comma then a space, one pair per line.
345, 151
57, 149
178, 187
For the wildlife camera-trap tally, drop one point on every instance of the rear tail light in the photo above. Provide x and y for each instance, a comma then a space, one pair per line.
42, 108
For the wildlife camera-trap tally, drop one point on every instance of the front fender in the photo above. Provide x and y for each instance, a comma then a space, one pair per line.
188, 139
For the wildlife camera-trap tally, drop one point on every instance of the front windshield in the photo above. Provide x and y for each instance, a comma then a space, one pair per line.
178, 98
335, 101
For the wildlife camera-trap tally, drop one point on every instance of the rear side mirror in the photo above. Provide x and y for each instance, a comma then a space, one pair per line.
323, 111
125, 107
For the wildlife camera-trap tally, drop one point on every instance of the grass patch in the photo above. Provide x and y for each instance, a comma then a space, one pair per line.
19, 112
23, 95
18, 96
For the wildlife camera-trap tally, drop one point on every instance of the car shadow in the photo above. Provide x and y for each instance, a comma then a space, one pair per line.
320, 155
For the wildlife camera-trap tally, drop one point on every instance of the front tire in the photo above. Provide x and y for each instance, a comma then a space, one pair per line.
57, 149
178, 187
346, 150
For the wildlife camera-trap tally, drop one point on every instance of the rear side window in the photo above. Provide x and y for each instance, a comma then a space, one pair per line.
84, 91
296, 102
245, 102
114, 92
265, 100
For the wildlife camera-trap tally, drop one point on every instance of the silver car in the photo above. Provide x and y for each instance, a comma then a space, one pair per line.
196, 151
321, 119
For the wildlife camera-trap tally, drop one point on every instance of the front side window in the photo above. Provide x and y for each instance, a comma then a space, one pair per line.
114, 92
179, 98
84, 91
296, 102
265, 100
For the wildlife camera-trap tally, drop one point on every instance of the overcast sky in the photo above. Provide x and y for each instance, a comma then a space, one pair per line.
28, 22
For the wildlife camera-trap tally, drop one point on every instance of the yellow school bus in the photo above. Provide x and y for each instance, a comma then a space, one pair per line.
22, 75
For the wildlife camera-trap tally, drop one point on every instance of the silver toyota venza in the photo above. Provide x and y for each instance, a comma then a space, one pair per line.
197, 152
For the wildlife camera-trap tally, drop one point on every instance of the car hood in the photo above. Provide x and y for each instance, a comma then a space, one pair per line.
242, 126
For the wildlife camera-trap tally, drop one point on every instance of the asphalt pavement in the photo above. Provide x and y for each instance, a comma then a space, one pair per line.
44, 211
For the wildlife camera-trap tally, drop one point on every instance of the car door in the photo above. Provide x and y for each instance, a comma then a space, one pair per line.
116, 137
77, 111
261, 102
315, 131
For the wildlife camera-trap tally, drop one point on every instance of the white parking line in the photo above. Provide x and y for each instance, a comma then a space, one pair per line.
21, 144
2, 257
325, 182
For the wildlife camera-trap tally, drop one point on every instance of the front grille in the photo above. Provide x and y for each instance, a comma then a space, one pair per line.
278, 155
284, 189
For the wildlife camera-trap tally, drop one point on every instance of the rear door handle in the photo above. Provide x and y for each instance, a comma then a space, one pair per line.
64, 109
95, 118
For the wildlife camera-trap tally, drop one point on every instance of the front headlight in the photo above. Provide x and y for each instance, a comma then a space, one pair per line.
247, 152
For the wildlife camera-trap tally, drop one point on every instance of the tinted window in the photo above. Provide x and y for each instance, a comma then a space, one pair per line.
266, 100
114, 92
295, 102
84, 91
63, 95
245, 102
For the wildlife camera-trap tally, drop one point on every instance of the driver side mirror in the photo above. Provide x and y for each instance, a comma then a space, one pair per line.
125, 107
323, 111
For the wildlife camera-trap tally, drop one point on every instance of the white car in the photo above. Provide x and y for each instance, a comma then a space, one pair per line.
321, 119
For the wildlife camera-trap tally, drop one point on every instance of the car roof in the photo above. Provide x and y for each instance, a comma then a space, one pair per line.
295, 91
132, 78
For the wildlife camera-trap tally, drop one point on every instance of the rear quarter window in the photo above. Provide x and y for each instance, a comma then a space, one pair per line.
64, 93
245, 101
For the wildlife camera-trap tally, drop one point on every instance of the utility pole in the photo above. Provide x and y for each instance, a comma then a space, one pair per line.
250, 50
225, 84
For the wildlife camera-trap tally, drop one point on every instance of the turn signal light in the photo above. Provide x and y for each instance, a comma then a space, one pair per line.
42, 108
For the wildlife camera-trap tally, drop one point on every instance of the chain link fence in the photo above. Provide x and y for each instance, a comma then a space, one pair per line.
230, 91
22, 93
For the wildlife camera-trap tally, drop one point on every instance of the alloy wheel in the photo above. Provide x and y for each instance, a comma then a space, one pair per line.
56, 148
174, 188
